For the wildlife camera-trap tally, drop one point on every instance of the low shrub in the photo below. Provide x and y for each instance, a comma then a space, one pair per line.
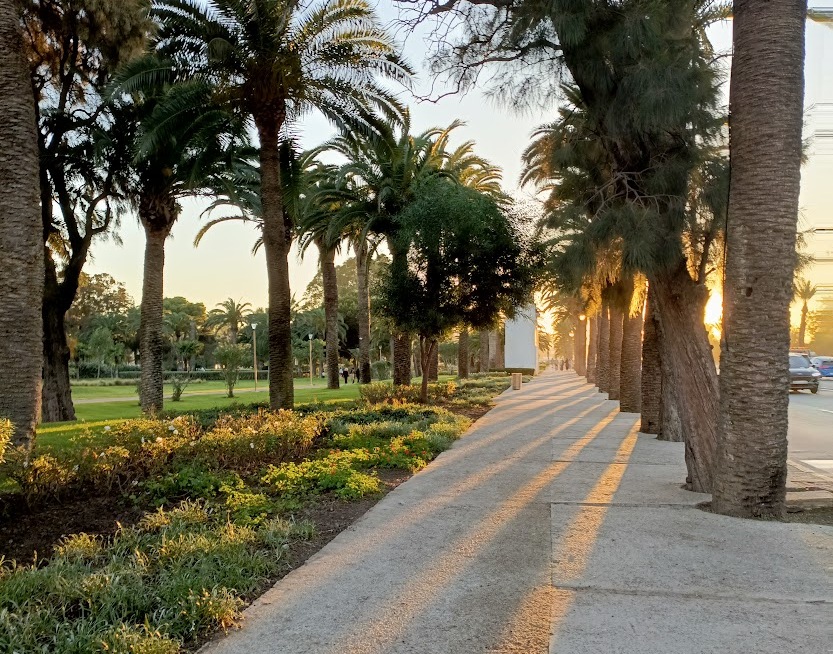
6, 432
152, 588
337, 472
378, 392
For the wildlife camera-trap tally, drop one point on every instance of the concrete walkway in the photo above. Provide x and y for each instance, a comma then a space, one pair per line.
552, 526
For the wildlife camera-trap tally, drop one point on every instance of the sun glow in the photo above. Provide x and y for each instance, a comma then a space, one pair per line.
714, 313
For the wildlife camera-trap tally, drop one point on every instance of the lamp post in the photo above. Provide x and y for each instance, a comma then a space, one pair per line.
380, 353
310, 359
254, 351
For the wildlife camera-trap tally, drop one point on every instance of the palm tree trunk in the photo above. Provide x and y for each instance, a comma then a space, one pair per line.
580, 347
765, 151
151, 331
330, 283
603, 368
363, 285
651, 385
233, 333
401, 358
434, 364
21, 238
277, 240
592, 350
483, 365
630, 383
463, 353
617, 318
427, 348
689, 376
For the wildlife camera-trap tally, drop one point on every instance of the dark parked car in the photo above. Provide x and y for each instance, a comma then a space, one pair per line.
824, 365
802, 373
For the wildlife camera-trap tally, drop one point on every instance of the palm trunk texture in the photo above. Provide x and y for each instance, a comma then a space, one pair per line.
277, 239
151, 332
463, 353
651, 384
21, 238
630, 379
617, 317
689, 375
401, 358
580, 347
330, 283
592, 349
602, 368
767, 103
363, 286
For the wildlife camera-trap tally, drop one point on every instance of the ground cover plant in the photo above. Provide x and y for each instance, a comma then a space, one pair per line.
220, 499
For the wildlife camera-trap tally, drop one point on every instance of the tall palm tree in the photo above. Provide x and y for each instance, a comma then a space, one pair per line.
275, 60
765, 151
231, 315
651, 381
181, 142
21, 263
630, 379
592, 349
804, 291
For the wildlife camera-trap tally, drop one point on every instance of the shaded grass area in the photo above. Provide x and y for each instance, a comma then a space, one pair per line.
215, 507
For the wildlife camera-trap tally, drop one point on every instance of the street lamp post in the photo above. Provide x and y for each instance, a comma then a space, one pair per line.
380, 353
310, 359
254, 351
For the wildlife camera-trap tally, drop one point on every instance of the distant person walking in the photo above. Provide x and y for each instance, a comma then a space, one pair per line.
345, 373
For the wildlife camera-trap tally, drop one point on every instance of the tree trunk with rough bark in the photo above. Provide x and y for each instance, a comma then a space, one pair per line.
401, 358
651, 384
603, 349
277, 240
56, 395
434, 365
614, 362
427, 350
463, 353
766, 109
483, 365
21, 238
690, 378
592, 349
151, 330
363, 286
330, 284
630, 380
580, 347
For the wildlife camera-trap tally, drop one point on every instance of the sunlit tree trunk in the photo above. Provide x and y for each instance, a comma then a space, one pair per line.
614, 362
630, 380
483, 336
580, 346
766, 109
602, 366
330, 284
592, 349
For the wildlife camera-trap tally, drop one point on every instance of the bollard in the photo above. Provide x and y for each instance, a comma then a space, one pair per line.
517, 380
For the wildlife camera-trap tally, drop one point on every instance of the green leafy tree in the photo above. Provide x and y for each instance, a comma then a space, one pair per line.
231, 358
274, 61
73, 47
443, 282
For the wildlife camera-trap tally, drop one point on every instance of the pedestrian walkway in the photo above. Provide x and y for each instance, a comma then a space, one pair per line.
552, 526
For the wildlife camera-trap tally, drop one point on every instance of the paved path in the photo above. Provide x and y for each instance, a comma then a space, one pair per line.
552, 527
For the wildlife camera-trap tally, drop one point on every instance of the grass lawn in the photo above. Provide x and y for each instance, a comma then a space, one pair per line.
88, 391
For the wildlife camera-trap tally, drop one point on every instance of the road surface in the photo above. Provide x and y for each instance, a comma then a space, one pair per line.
811, 428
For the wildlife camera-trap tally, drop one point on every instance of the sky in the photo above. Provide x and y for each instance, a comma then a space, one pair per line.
223, 266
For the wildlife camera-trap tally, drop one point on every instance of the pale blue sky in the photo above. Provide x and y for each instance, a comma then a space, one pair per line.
223, 265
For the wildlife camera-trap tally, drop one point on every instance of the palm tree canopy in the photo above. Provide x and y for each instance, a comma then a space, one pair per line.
279, 59
229, 313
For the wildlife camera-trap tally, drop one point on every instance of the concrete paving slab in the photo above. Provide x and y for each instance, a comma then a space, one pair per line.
673, 550
599, 622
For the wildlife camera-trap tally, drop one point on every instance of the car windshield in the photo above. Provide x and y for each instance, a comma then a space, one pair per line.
798, 361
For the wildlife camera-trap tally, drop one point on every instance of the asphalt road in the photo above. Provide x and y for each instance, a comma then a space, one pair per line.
811, 427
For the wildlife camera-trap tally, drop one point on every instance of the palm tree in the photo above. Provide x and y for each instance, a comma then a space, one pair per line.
592, 349
630, 380
182, 141
230, 315
275, 60
483, 359
804, 291
463, 353
22, 265
651, 382
765, 148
